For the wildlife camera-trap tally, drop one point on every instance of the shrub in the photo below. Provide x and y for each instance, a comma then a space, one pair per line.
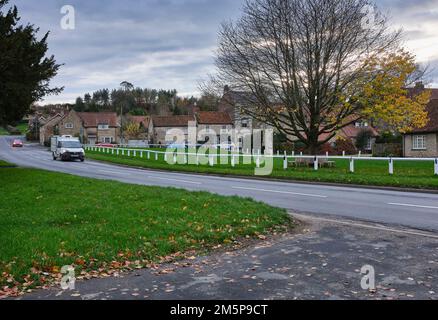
343, 144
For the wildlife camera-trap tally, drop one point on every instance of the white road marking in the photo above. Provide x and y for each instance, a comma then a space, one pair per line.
115, 172
282, 192
176, 180
411, 205
367, 226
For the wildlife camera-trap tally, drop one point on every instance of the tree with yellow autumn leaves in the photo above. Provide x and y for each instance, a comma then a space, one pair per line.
386, 100
132, 130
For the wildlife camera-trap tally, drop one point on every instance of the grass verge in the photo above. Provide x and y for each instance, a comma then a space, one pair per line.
408, 174
50, 220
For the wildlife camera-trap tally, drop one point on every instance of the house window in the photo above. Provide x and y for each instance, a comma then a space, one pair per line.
369, 145
107, 139
224, 127
419, 142
103, 127
361, 124
69, 125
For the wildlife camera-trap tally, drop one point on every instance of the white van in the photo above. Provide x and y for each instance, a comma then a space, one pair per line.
67, 148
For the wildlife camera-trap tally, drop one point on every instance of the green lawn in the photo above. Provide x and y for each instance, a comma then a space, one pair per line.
22, 127
412, 174
49, 220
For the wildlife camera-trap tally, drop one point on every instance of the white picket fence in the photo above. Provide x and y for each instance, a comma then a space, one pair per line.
257, 157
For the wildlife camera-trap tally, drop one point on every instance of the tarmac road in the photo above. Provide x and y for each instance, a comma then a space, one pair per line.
397, 208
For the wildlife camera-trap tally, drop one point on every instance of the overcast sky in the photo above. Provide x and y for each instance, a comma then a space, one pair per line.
170, 43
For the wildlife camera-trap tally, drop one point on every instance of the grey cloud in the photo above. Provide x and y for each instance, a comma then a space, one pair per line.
165, 43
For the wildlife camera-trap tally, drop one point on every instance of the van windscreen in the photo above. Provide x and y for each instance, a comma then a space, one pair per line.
71, 144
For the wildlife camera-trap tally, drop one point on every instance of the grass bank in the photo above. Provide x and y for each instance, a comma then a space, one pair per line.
49, 220
408, 174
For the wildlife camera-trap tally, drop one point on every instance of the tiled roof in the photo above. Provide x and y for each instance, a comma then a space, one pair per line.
94, 119
172, 121
432, 125
212, 118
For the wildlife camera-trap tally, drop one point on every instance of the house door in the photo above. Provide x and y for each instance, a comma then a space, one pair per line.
92, 141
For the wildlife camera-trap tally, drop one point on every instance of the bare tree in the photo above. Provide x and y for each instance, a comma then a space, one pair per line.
302, 62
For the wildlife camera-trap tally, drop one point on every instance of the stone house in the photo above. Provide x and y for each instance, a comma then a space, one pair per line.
219, 123
91, 127
233, 103
159, 126
48, 129
423, 142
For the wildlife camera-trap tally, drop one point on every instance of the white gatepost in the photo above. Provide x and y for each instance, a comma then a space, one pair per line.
301, 153
123, 152
129, 153
211, 160
112, 151
278, 152
285, 163
343, 153
327, 154
258, 162
436, 167
141, 154
197, 159
316, 164
293, 154
391, 166
118, 151
156, 156
351, 165
360, 154
149, 155
135, 153
233, 160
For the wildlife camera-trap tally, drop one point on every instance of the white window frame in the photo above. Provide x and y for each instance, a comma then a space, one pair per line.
419, 142
69, 125
104, 139
103, 127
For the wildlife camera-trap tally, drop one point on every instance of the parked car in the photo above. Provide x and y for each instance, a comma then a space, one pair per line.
105, 145
17, 144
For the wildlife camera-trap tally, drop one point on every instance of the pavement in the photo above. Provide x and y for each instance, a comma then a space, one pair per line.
321, 261
343, 229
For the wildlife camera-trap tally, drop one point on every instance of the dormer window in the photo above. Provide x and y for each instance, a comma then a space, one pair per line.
361, 124
103, 126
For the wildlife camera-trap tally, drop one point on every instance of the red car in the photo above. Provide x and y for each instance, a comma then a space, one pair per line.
105, 145
17, 144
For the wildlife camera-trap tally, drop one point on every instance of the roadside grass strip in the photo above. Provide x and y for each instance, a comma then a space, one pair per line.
51, 220
407, 174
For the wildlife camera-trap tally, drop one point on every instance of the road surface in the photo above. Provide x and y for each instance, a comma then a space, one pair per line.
409, 209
